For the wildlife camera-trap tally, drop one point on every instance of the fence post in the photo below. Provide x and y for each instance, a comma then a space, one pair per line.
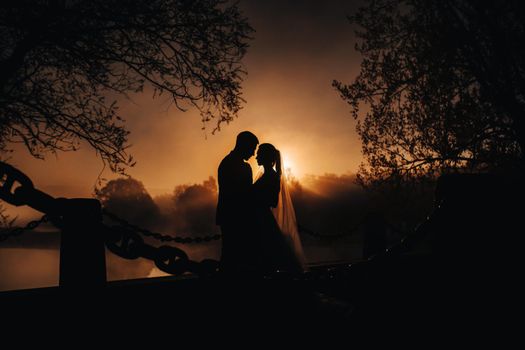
82, 244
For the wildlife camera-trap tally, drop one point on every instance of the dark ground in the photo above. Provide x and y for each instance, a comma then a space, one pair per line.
466, 287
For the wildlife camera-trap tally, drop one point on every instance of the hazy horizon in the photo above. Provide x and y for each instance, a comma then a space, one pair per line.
298, 49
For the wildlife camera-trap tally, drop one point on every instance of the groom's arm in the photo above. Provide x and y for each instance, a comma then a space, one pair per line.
274, 192
247, 178
235, 182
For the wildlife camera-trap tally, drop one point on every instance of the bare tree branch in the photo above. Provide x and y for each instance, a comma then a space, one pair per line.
60, 59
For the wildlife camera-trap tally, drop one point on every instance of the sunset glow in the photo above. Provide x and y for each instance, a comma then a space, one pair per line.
290, 166
289, 102
342, 166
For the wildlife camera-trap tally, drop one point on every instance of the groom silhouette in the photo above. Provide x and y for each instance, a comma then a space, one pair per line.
234, 206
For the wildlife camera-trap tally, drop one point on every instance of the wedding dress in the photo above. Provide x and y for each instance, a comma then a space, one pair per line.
281, 247
284, 214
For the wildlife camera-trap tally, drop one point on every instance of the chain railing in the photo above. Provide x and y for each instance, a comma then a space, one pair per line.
127, 243
159, 236
17, 231
85, 236
203, 239
6, 233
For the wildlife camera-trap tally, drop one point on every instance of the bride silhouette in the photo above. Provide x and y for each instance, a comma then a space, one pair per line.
280, 245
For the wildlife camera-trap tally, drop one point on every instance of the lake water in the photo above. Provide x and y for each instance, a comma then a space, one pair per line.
22, 268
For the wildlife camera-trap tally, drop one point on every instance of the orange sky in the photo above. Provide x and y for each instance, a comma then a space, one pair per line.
298, 49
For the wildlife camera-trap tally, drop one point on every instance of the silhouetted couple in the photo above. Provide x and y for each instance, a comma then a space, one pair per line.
257, 220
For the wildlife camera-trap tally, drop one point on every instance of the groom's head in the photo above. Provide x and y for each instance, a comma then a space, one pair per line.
246, 144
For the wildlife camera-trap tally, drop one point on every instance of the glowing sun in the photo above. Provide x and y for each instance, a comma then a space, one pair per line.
289, 165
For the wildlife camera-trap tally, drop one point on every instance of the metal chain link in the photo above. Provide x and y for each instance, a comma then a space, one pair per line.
125, 241
159, 236
187, 240
128, 244
19, 230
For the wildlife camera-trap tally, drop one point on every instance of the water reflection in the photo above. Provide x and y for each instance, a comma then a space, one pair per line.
23, 268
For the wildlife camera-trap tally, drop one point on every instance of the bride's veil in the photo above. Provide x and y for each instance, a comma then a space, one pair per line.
284, 214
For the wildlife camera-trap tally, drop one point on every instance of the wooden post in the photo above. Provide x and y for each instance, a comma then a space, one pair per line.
82, 244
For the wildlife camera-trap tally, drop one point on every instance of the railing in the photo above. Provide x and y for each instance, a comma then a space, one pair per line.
84, 235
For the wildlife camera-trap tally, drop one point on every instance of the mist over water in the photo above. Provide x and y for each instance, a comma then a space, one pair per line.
22, 268
25, 268
327, 205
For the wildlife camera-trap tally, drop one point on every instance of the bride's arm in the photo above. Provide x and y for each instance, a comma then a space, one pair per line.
266, 192
273, 194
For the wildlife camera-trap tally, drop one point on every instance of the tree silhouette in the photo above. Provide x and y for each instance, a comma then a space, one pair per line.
129, 199
61, 60
194, 208
441, 87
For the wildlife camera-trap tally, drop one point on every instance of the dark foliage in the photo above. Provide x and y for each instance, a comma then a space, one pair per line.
194, 208
127, 198
60, 61
441, 88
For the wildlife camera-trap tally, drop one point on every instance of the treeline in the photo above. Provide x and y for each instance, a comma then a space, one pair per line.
326, 203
